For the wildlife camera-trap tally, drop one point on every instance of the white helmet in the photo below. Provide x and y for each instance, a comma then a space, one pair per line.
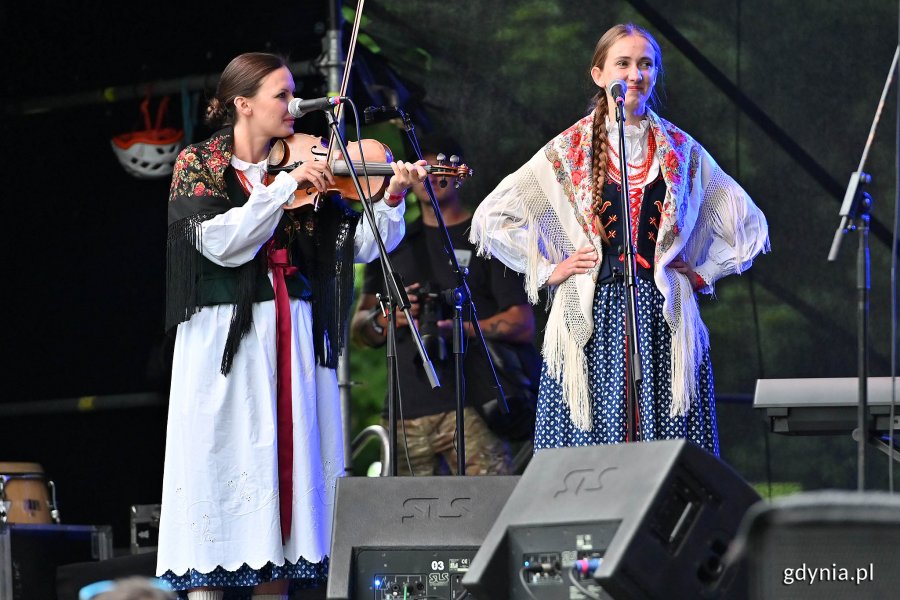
150, 153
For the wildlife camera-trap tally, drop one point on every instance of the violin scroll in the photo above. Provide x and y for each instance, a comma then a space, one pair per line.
444, 169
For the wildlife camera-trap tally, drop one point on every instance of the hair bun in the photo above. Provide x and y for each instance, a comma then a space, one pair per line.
215, 112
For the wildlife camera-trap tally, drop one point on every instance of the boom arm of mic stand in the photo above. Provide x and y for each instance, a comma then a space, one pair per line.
448, 246
504, 407
396, 292
463, 289
462, 296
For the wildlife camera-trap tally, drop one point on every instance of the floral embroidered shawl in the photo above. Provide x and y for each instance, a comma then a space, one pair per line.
539, 215
199, 192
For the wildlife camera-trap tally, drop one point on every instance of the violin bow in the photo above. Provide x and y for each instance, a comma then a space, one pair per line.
345, 80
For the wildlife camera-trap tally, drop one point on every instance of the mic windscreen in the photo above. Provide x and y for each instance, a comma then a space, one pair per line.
369, 114
617, 89
294, 107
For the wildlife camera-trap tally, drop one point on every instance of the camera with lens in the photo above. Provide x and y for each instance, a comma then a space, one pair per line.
431, 310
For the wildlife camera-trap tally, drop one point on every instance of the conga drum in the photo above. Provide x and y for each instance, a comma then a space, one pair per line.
24, 493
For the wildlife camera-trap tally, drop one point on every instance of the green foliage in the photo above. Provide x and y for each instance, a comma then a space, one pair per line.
507, 77
776, 489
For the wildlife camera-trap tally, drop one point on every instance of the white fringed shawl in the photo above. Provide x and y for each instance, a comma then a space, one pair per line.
533, 220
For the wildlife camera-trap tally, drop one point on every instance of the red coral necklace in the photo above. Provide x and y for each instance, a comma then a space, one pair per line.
248, 185
637, 174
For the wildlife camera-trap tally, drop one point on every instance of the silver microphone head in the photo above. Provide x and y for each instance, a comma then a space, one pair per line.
617, 89
294, 107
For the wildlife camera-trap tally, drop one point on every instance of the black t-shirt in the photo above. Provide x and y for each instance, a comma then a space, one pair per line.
420, 258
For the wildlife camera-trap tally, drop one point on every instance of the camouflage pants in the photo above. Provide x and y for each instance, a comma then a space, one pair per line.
430, 443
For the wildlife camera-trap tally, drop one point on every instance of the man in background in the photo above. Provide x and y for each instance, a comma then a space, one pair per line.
427, 433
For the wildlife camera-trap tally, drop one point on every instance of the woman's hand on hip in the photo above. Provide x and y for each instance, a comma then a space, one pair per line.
583, 260
682, 267
697, 282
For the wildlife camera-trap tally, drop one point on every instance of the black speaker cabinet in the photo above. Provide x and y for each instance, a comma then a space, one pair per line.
31, 554
70, 578
650, 520
823, 545
410, 537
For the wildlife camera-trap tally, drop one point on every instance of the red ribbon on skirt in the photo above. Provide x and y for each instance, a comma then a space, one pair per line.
280, 264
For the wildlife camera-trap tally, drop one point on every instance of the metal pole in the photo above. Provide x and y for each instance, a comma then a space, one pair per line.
108, 95
331, 66
863, 284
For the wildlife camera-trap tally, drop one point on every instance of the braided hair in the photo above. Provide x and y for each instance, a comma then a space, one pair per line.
600, 139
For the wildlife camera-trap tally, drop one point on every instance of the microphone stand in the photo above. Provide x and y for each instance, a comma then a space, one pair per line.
633, 374
458, 297
854, 214
396, 298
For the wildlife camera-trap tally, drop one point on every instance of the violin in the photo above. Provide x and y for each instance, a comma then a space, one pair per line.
372, 166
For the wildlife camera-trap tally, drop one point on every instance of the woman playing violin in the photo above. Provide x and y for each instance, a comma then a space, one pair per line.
259, 297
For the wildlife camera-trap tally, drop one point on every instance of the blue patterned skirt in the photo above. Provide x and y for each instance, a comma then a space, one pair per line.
238, 585
605, 352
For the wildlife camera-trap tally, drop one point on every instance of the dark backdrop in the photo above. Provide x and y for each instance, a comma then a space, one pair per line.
84, 300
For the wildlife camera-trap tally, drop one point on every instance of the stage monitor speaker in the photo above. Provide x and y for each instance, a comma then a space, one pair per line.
823, 545
71, 577
30, 555
410, 537
626, 521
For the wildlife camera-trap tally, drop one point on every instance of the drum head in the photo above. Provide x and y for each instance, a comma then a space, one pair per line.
25, 497
9, 468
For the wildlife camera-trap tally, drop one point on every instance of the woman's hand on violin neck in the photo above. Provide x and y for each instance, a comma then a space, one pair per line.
405, 175
583, 260
315, 172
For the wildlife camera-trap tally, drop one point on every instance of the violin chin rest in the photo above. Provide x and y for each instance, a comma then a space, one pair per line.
277, 153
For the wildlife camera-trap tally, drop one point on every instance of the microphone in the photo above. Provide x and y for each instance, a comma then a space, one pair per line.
299, 107
369, 112
617, 90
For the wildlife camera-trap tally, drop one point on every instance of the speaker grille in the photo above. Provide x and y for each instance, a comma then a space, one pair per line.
825, 545
659, 514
